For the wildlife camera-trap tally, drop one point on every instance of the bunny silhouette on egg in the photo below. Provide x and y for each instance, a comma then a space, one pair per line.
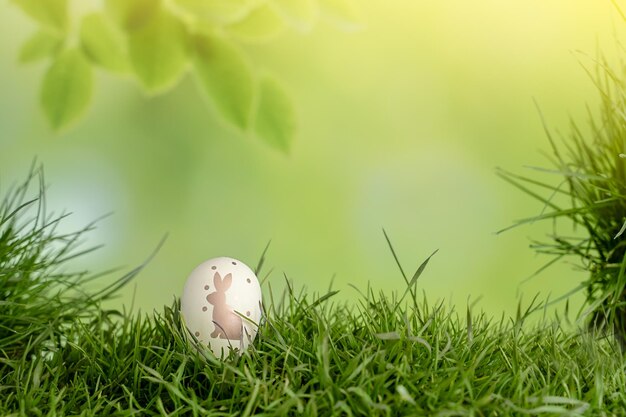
228, 324
221, 305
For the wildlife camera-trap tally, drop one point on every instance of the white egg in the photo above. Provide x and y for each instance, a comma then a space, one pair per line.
221, 305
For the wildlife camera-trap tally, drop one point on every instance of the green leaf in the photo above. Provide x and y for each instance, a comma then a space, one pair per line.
226, 77
158, 51
261, 25
275, 120
344, 13
132, 14
51, 14
102, 43
301, 14
67, 88
218, 11
40, 45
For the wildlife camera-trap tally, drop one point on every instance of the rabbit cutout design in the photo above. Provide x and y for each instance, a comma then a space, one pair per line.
228, 324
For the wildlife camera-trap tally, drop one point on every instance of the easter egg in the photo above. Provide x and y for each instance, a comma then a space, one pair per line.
221, 305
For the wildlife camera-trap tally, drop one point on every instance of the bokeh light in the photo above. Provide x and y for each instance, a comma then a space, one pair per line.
401, 125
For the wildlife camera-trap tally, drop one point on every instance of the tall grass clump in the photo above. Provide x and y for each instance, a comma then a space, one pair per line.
590, 194
42, 297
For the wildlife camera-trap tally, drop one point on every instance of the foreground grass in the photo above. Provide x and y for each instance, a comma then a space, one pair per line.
61, 353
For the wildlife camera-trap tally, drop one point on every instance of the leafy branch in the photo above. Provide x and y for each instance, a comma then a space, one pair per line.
158, 42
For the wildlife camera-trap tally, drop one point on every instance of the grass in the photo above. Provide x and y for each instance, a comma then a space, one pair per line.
62, 354
584, 195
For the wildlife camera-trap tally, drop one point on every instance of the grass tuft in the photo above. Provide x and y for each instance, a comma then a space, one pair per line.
589, 193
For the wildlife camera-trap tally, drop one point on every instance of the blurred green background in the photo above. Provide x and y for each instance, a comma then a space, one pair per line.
401, 125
